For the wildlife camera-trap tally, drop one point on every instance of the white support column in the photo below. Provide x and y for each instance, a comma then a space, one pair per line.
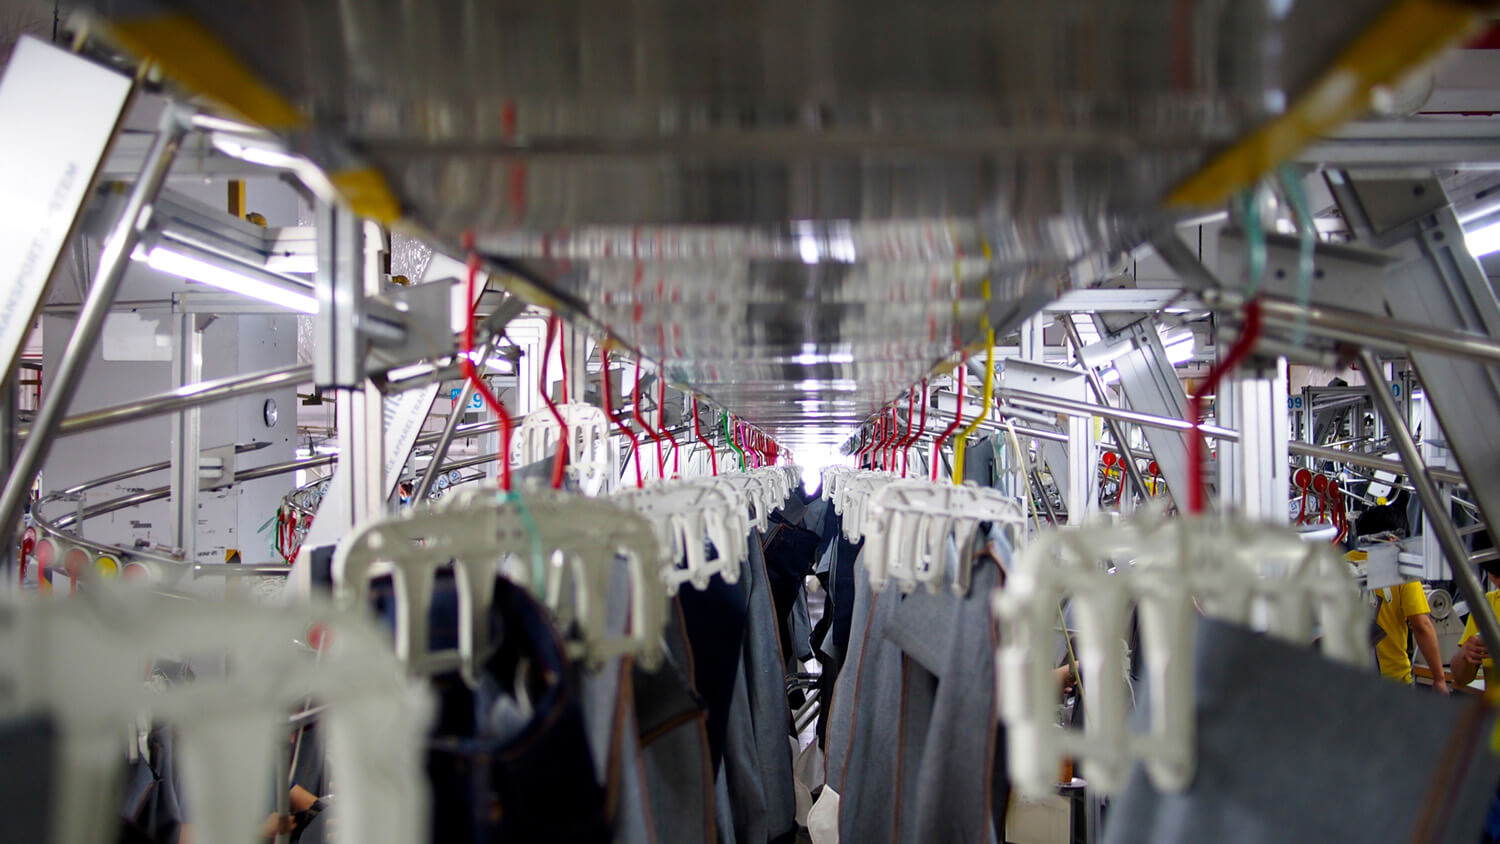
1033, 342
1254, 473
1436, 455
187, 368
1082, 497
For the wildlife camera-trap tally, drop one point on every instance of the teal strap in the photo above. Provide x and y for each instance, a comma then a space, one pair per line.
538, 564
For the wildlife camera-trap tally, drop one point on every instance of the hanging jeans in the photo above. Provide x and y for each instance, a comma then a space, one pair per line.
765, 677
535, 782
951, 748
674, 755
1292, 747
866, 777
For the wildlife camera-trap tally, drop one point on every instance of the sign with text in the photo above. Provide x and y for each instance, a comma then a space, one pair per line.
59, 112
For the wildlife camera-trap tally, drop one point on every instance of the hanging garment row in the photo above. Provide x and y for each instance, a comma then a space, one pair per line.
1198, 645
555, 667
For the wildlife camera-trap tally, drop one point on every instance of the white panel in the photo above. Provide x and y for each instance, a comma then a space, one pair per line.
59, 112
131, 335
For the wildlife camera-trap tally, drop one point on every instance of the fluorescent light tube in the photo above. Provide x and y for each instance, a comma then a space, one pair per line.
169, 260
1178, 351
1483, 241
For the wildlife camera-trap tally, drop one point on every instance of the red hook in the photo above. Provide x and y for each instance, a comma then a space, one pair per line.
635, 442
560, 461
661, 402
898, 437
921, 429
471, 373
713, 458
958, 419
635, 411
1197, 497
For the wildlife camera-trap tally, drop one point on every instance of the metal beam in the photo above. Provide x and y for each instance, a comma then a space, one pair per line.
1150, 385
1253, 476
1427, 143
1096, 384
1388, 333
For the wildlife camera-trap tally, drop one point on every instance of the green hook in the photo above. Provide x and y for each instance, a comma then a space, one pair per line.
729, 435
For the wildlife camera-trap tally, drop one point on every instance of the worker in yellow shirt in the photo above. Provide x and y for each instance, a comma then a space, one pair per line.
1402, 609
1473, 653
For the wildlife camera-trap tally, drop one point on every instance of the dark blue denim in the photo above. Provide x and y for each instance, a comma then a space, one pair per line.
790, 551
714, 620
535, 783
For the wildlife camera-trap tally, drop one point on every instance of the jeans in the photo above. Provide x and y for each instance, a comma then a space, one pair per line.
535, 782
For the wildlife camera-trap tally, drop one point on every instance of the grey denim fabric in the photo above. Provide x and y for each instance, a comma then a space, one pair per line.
723, 815
632, 821
801, 629
841, 715
868, 777
948, 759
609, 720
742, 769
765, 675
1293, 748
674, 747
824, 565
680, 785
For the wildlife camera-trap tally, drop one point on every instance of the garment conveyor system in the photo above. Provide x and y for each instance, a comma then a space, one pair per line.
970, 420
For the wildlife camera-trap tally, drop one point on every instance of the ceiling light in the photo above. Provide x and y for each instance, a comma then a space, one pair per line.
1483, 241
204, 267
813, 358
1179, 350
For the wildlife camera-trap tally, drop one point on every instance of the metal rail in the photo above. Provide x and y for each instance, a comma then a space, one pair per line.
1362, 328
1070, 407
183, 398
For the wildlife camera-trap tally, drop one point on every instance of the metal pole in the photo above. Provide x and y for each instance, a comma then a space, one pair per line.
187, 368
1069, 407
1355, 458
1115, 428
189, 396
113, 259
8, 410
1041, 492
424, 485
1364, 328
1432, 502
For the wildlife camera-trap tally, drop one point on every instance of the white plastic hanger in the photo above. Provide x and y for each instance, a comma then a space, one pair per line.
85, 661
909, 523
589, 459
764, 489
1166, 570
561, 546
685, 513
853, 497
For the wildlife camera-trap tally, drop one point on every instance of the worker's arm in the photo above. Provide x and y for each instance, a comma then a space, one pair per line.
1471, 654
1427, 642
